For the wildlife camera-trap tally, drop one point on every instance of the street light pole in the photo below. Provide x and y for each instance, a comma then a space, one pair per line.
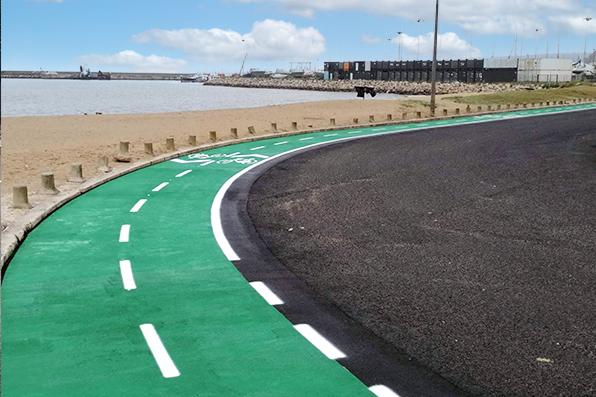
433, 84
588, 19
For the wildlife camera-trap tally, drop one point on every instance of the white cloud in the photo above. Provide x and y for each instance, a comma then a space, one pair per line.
479, 16
371, 40
449, 45
132, 60
267, 40
576, 23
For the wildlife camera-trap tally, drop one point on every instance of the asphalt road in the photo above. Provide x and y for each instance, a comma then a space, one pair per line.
470, 248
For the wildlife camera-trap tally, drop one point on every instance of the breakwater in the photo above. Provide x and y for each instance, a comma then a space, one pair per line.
389, 87
49, 75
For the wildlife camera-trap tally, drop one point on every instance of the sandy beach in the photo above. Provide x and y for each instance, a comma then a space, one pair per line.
35, 144
32, 145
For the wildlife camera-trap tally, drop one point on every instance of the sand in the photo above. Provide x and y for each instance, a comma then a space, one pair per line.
32, 145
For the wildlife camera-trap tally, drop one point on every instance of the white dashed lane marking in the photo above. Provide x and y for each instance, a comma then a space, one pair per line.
306, 139
382, 391
280, 143
124, 233
138, 205
330, 135
257, 148
319, 341
160, 354
266, 293
128, 279
180, 175
160, 186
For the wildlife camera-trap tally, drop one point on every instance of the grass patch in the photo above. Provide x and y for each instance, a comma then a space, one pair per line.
529, 96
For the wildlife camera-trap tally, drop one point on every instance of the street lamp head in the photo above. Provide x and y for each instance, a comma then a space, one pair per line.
588, 19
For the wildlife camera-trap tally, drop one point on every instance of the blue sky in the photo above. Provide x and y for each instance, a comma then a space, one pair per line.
212, 36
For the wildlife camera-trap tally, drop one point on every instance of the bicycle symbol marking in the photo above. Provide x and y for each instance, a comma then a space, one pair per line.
222, 158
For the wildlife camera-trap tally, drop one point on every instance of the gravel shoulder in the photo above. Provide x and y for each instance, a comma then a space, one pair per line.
470, 248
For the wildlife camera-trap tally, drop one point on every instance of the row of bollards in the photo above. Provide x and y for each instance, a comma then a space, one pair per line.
48, 184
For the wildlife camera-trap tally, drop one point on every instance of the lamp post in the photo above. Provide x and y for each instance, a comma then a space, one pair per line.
587, 19
433, 84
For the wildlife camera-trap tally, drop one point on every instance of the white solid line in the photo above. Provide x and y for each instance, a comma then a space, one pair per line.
266, 293
160, 186
216, 224
180, 175
257, 148
382, 391
330, 135
319, 341
124, 233
160, 354
128, 279
306, 139
138, 205
281, 143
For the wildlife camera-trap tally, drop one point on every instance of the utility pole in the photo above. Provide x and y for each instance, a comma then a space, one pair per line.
399, 46
588, 19
433, 84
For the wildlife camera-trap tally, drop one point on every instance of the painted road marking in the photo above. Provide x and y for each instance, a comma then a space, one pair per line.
160, 186
354, 132
257, 148
306, 139
382, 391
160, 354
280, 143
128, 279
180, 175
138, 205
378, 129
266, 293
319, 341
330, 135
124, 233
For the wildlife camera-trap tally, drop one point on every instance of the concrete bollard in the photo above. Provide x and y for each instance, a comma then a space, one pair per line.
489, 108
20, 198
331, 121
371, 118
76, 173
274, 127
404, 116
102, 164
498, 107
445, 112
389, 117
170, 144
212, 136
234, 132
547, 103
355, 120
192, 140
251, 130
123, 155
149, 148
457, 111
419, 114
468, 109
48, 186
575, 101
294, 125
479, 109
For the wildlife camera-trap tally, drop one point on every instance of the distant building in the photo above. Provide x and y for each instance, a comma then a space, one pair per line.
490, 70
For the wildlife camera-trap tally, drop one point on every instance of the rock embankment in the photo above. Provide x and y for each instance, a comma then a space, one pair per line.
389, 87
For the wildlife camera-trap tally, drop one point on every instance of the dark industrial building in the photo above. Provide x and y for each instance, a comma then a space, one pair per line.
462, 70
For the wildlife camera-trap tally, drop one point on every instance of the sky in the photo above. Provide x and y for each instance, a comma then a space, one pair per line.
216, 35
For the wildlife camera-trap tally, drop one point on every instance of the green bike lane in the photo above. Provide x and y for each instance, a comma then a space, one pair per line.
70, 326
